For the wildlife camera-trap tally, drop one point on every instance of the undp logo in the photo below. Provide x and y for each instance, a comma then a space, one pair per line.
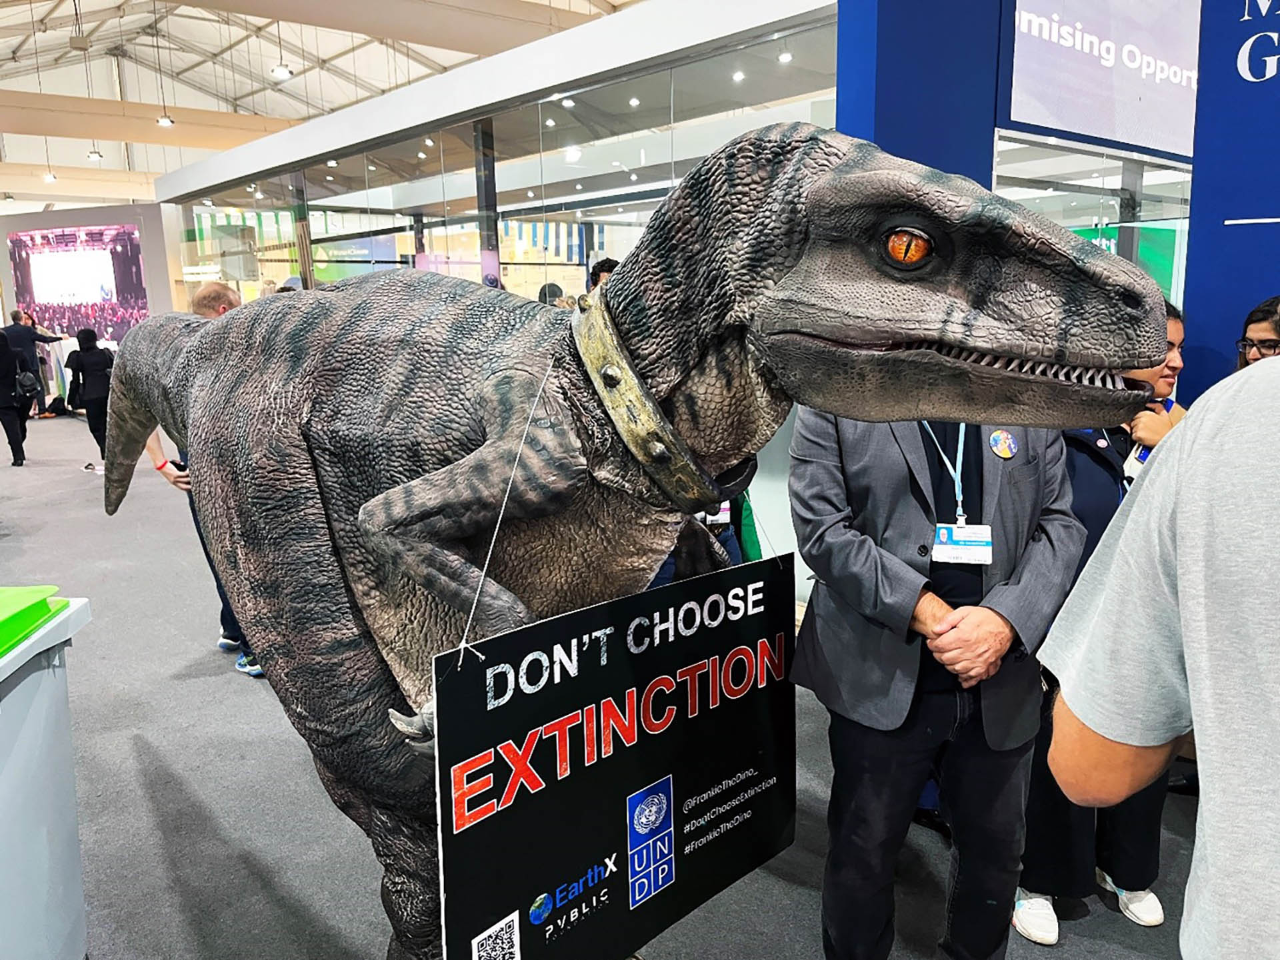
540, 910
651, 812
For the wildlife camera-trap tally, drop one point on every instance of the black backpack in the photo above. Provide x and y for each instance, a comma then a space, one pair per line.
28, 385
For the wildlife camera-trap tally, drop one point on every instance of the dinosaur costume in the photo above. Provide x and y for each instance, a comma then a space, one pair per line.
351, 446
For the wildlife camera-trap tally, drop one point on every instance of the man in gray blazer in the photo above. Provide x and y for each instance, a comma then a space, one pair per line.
942, 553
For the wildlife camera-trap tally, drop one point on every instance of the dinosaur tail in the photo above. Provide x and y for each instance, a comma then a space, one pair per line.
129, 424
144, 395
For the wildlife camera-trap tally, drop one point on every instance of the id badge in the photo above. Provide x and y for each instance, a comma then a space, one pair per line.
953, 543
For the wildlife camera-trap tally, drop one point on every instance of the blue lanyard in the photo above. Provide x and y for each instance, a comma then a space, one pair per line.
954, 470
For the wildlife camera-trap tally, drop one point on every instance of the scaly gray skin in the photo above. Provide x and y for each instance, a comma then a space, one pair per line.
351, 445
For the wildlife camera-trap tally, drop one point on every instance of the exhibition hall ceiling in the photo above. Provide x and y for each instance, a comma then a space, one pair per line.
224, 72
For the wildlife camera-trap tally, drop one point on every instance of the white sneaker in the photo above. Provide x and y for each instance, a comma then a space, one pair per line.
1034, 918
1141, 906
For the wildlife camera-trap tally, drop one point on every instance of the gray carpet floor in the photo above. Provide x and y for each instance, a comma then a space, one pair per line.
207, 836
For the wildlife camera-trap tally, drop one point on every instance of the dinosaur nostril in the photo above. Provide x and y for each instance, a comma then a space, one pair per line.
1131, 300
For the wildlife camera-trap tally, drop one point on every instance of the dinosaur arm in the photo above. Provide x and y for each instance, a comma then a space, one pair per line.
421, 523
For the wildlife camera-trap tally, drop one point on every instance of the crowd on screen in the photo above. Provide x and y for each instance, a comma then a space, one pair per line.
108, 319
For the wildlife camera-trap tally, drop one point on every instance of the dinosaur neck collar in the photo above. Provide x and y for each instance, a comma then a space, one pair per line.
640, 422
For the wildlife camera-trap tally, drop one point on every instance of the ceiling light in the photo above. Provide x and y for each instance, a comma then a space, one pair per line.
529, 194
207, 202
572, 154
634, 101
50, 177
250, 188
8, 198
421, 155
739, 76
332, 163
329, 177
372, 168
282, 72
617, 163
259, 195
551, 121
785, 56
634, 178
577, 186
567, 103
621, 210
165, 120
96, 155
578, 214
429, 142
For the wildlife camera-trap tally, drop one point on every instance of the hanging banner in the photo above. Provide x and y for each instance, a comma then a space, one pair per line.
604, 773
1234, 243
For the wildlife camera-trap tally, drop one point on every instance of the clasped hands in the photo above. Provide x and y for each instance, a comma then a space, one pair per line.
969, 641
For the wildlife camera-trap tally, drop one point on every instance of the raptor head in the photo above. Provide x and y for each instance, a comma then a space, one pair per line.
919, 294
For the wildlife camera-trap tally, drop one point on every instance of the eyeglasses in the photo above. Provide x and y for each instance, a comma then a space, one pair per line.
1265, 348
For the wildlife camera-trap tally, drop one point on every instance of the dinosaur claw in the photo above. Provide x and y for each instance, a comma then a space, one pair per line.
414, 727
423, 749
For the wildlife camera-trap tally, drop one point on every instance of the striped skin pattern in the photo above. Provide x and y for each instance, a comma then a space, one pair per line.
350, 446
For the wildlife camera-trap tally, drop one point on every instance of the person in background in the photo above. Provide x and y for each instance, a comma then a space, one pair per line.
90, 368
922, 650
1170, 628
211, 301
44, 363
550, 293
1261, 336
14, 408
23, 337
600, 272
1073, 850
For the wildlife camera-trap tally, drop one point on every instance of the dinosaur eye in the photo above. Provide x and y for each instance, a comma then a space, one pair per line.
908, 248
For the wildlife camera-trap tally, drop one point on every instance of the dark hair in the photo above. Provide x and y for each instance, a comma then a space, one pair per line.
15, 316
288, 288
88, 339
1172, 312
550, 292
607, 265
1268, 312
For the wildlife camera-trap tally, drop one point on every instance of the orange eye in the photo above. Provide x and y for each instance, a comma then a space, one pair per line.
910, 248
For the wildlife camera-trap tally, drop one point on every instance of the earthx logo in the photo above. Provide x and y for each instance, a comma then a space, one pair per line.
573, 902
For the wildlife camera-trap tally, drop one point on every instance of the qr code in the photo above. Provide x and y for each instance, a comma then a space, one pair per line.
499, 942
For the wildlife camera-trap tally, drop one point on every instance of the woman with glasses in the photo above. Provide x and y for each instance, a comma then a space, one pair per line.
1261, 333
1073, 851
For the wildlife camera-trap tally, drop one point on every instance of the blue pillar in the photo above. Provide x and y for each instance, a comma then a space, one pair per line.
1231, 262
921, 80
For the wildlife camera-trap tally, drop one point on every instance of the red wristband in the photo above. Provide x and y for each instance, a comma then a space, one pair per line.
163, 465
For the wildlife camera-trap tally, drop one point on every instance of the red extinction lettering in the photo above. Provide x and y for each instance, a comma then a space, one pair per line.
560, 730
589, 732
734, 691
464, 791
651, 724
521, 772
613, 721
689, 675
771, 661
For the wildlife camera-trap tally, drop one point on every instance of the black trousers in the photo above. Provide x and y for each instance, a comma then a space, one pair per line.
1065, 842
231, 628
14, 421
878, 778
96, 413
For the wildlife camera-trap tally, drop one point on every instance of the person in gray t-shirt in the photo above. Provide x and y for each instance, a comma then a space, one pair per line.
1174, 624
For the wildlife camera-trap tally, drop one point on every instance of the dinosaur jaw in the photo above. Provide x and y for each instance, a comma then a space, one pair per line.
928, 380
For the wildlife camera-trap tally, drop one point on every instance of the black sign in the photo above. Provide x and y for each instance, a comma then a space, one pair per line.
604, 773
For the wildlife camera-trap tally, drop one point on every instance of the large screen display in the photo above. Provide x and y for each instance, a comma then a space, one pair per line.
74, 278
1116, 71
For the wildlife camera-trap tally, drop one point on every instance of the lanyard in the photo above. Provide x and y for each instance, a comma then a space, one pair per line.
954, 470
1125, 483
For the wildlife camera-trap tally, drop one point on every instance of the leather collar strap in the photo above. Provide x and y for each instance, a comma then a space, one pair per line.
640, 421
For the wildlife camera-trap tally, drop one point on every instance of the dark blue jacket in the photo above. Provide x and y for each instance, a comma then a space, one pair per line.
1097, 482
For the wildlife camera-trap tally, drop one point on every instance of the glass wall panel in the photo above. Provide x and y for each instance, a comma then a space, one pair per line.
1134, 206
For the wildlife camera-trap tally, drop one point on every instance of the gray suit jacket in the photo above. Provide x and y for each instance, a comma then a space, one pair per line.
862, 505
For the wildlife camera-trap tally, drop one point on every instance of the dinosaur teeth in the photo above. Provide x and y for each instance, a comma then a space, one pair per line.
1061, 372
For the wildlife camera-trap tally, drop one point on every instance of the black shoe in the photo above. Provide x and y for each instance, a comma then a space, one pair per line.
932, 820
18, 463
